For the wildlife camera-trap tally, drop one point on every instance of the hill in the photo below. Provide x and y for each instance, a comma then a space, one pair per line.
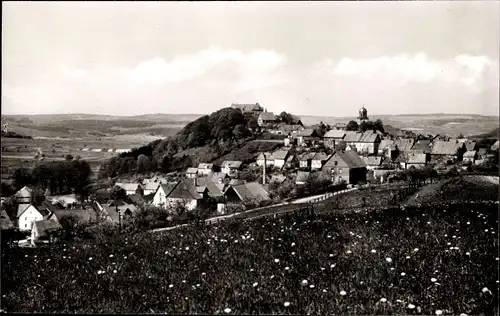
493, 134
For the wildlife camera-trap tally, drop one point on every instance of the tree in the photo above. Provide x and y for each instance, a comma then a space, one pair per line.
22, 177
366, 125
7, 189
379, 126
352, 126
287, 118
69, 157
118, 193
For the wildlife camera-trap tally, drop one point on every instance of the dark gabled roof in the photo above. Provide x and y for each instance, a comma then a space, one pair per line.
320, 156
441, 147
184, 190
168, 187
372, 160
352, 136
385, 143
214, 190
334, 133
416, 158
351, 159
404, 144
231, 164
217, 177
308, 132
470, 145
137, 199
151, 186
45, 226
21, 208
280, 154
470, 154
24, 192
129, 186
306, 156
423, 145
267, 116
369, 137
251, 191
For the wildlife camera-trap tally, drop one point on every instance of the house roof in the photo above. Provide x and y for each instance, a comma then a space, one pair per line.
404, 144
247, 107
214, 189
168, 187
137, 199
278, 178
320, 156
205, 166
22, 207
470, 154
306, 156
5, 221
334, 133
151, 186
267, 116
45, 226
351, 159
280, 154
470, 145
302, 175
308, 132
287, 128
231, 164
352, 136
385, 143
128, 186
290, 158
86, 216
423, 145
184, 190
441, 147
269, 156
416, 158
24, 192
369, 137
251, 191
372, 161
191, 170
495, 146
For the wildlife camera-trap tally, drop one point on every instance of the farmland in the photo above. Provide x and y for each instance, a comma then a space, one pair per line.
411, 261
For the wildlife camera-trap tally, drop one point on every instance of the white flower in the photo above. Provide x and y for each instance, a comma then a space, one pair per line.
90, 259
411, 306
388, 260
286, 304
272, 276
227, 310
304, 281
171, 286
114, 271
433, 280
392, 269
293, 253
276, 260
251, 270
486, 290
348, 251
383, 300
407, 257
331, 255
287, 268
374, 251
468, 223
111, 256
293, 244
415, 250
343, 293
449, 244
439, 312
403, 274
467, 253
203, 273
255, 284
187, 248
324, 291
311, 286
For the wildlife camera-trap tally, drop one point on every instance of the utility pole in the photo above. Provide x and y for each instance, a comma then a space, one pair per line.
119, 219
264, 170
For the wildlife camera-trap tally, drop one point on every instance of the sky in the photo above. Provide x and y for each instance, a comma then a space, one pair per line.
310, 58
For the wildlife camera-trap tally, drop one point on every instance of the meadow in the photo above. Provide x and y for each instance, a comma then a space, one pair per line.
433, 260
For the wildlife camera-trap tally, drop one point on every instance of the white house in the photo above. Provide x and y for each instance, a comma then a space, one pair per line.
27, 214
280, 158
269, 159
470, 156
192, 173
42, 227
205, 169
24, 195
131, 188
151, 188
160, 197
230, 167
318, 160
372, 162
182, 193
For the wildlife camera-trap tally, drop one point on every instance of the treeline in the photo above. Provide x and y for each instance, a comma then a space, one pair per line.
58, 177
218, 132
14, 135
378, 125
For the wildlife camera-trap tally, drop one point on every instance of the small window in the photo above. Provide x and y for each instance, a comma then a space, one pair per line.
26, 218
336, 163
340, 170
25, 225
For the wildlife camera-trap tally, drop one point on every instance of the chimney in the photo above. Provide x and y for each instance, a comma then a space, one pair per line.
195, 181
264, 170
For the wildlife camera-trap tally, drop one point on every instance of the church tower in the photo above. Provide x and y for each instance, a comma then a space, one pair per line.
363, 115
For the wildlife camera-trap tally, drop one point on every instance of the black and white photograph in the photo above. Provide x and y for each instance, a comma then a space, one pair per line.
250, 157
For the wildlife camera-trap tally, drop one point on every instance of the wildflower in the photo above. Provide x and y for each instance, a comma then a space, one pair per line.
287, 304
304, 281
348, 251
187, 248
255, 284
90, 259
251, 270
287, 268
407, 257
114, 271
276, 260
331, 255
293, 253
311, 286
227, 310
411, 306
415, 250
272, 276
486, 290
439, 312
343, 293
333, 266
383, 300
324, 290
293, 244
111, 256
468, 223
388, 260
467, 253
171, 286
403, 274
392, 269
433, 280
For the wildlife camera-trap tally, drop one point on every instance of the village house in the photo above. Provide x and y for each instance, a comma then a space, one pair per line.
182, 193
307, 137
482, 153
372, 162
416, 160
116, 211
421, 146
470, 156
384, 146
317, 160
252, 109
332, 137
83, 216
139, 200
5, 221
280, 158
345, 166
288, 129
470, 145
305, 160
302, 177
204, 169
278, 179
267, 119
191, 172
450, 150
150, 188
41, 228
24, 195
27, 214
340, 126
495, 147
246, 192
368, 143
291, 162
269, 159
351, 138
404, 144
131, 188
231, 168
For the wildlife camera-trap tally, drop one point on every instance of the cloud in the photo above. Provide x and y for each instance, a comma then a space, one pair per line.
215, 77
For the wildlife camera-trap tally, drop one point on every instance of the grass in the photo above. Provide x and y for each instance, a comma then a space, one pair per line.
257, 266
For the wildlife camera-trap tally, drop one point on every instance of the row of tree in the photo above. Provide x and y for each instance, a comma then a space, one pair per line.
378, 125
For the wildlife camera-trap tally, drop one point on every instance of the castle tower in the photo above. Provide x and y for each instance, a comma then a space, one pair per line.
363, 115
